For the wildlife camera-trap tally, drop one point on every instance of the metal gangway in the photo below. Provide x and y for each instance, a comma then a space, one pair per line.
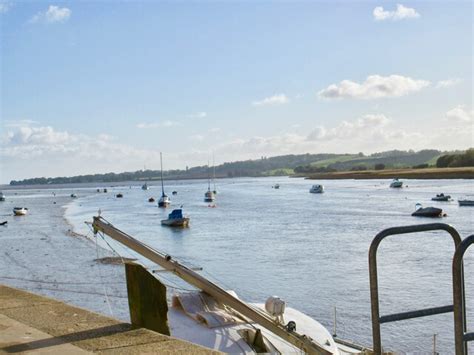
461, 337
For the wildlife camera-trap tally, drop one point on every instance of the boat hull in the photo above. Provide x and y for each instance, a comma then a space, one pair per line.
20, 211
178, 222
466, 202
428, 212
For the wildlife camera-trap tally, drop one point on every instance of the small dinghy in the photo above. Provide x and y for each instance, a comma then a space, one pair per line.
421, 211
151, 199
441, 197
175, 192
20, 211
73, 196
119, 195
396, 183
317, 189
276, 186
176, 219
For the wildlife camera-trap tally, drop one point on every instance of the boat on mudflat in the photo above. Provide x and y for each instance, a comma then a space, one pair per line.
176, 219
20, 211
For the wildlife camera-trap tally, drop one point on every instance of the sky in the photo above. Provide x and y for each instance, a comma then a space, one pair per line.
103, 86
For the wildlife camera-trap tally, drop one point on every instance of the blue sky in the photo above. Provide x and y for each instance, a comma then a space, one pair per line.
91, 87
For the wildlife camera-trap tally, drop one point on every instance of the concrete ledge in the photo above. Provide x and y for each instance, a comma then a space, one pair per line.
57, 328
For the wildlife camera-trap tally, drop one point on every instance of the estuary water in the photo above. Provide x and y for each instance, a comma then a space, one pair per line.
309, 249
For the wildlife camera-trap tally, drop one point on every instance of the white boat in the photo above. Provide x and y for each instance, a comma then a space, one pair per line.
164, 200
209, 195
466, 202
218, 319
396, 183
20, 211
176, 219
2, 196
441, 197
317, 189
145, 186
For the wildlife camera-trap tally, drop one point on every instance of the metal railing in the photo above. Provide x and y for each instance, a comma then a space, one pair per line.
460, 325
374, 292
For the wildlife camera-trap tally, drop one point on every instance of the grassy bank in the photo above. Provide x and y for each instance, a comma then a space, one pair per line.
429, 173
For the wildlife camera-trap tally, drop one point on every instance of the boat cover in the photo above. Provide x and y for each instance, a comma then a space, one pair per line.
205, 309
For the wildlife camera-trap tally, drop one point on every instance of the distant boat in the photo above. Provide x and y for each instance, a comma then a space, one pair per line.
20, 211
175, 192
441, 197
396, 183
317, 189
421, 211
105, 190
151, 199
466, 202
276, 186
164, 200
119, 195
145, 186
2, 196
209, 196
176, 219
73, 196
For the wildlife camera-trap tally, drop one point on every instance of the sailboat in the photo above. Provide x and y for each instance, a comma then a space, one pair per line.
209, 196
214, 174
145, 186
164, 200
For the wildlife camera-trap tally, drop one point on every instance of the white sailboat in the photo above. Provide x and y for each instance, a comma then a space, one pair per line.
210, 195
219, 319
164, 200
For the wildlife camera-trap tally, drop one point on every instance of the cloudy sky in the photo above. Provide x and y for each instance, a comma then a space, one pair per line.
93, 87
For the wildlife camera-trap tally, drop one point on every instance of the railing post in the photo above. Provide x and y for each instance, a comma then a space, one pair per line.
460, 325
374, 293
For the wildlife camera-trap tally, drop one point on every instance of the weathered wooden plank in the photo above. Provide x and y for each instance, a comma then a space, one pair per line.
146, 299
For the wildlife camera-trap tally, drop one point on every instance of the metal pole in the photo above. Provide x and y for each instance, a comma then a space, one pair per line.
334, 334
434, 345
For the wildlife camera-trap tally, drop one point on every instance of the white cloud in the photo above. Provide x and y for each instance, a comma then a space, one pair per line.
401, 13
374, 87
347, 130
460, 114
447, 83
54, 14
197, 115
197, 137
164, 124
277, 99
4, 7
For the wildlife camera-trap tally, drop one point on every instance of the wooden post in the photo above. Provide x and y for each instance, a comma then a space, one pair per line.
146, 299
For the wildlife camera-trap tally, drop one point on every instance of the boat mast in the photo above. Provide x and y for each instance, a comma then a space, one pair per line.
300, 341
162, 186
208, 178
213, 172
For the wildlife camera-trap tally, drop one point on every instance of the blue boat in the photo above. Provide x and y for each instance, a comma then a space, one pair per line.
176, 219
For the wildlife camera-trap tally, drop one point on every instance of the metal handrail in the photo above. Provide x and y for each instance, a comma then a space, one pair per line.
374, 292
460, 325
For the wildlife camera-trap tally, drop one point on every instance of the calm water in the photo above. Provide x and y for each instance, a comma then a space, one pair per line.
309, 249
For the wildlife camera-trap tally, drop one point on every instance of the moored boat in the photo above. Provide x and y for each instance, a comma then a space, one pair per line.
164, 200
20, 211
317, 189
145, 186
276, 186
209, 195
466, 202
441, 197
396, 183
73, 196
176, 219
2, 196
421, 211
119, 195
151, 199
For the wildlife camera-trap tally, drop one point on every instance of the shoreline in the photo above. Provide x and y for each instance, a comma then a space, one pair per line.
422, 174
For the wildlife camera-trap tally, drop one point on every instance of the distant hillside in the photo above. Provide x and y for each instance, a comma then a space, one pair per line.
272, 166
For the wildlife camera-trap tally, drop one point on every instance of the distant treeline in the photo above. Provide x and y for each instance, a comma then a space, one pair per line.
281, 165
456, 160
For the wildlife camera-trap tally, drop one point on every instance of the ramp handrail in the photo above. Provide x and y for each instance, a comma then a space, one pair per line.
374, 292
460, 325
